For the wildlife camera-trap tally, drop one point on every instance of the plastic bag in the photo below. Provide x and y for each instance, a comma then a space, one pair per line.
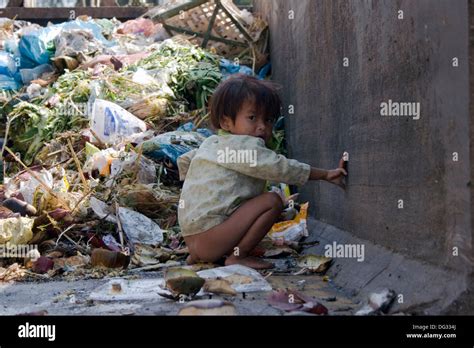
112, 123
27, 75
8, 83
139, 228
189, 126
171, 145
37, 47
143, 26
29, 188
102, 210
229, 68
146, 168
73, 41
8, 65
11, 46
110, 162
16, 230
8, 72
292, 230
241, 278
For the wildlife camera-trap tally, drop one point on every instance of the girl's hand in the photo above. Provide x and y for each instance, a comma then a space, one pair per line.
335, 176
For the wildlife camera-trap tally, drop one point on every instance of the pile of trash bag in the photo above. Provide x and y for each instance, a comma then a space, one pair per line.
96, 113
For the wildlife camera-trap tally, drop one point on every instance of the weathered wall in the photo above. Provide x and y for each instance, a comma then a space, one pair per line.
337, 108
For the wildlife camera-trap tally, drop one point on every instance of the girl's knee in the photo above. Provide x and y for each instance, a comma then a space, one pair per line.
274, 200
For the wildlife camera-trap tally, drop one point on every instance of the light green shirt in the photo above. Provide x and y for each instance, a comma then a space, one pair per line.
226, 171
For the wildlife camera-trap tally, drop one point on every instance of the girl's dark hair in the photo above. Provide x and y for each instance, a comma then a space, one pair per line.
231, 94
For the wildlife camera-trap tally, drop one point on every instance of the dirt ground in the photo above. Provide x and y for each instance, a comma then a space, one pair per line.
73, 296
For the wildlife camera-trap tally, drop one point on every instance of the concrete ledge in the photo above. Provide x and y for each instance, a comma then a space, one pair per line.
426, 289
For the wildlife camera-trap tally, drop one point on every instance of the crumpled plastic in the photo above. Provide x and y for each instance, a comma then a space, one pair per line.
37, 46
171, 145
143, 26
16, 230
241, 278
292, 230
74, 41
139, 228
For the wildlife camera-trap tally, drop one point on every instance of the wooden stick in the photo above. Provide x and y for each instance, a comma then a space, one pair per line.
198, 123
79, 202
119, 225
136, 168
33, 174
78, 165
101, 144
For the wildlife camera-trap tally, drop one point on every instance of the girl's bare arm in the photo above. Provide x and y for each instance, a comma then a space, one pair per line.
318, 174
333, 176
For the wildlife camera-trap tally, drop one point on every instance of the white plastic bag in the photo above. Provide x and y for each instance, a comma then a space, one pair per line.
112, 163
241, 278
28, 188
16, 230
139, 228
112, 123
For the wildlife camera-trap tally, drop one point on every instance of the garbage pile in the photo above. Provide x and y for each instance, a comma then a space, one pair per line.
96, 114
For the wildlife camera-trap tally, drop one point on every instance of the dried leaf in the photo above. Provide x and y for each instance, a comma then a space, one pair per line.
292, 300
219, 286
315, 263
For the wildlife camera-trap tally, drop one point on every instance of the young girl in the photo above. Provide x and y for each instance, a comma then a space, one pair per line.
224, 210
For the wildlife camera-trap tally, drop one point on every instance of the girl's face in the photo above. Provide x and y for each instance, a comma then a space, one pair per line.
248, 122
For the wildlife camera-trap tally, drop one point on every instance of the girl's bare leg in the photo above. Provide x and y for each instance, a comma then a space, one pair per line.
239, 234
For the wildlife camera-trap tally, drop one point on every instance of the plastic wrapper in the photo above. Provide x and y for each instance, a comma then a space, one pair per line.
241, 278
292, 230
16, 230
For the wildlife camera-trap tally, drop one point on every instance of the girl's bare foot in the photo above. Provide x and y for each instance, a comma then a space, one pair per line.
249, 261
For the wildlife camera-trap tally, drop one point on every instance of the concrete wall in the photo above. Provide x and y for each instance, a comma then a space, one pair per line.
337, 108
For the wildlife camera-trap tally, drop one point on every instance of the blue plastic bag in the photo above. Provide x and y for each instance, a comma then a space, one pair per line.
27, 75
8, 83
8, 72
264, 71
229, 68
37, 47
8, 65
171, 145
188, 127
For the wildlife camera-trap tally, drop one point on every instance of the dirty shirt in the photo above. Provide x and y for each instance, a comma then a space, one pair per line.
226, 171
